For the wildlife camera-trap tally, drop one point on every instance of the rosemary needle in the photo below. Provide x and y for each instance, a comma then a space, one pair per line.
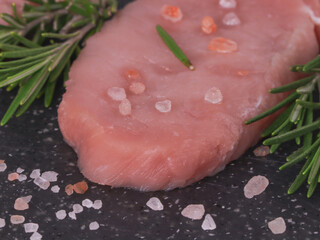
175, 49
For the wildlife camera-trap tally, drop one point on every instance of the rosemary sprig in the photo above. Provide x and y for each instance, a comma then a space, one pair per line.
298, 121
175, 49
37, 47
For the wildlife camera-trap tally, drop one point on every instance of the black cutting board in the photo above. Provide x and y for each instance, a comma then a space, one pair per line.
34, 141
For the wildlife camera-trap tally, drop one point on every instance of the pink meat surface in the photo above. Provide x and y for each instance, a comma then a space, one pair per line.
152, 150
6, 6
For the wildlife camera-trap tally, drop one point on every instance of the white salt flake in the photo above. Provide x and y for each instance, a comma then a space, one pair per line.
213, 95
117, 94
125, 108
35, 173
94, 226
36, 236
87, 203
42, 183
61, 214
155, 204
17, 219
193, 211
20, 170
30, 227
72, 215
255, 186
55, 189
208, 223
277, 226
97, 204
3, 167
163, 106
77, 208
20, 204
2, 222
228, 3
50, 176
22, 177
231, 19
27, 199
261, 151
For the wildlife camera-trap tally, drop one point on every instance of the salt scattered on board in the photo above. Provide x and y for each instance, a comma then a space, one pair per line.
42, 183
22, 177
2, 222
261, 151
35, 173
13, 176
72, 215
97, 204
193, 211
94, 226
155, 204
77, 208
277, 226
20, 170
255, 186
50, 176
61, 214
20, 204
17, 219
55, 189
36, 236
27, 199
30, 227
87, 203
208, 223
3, 166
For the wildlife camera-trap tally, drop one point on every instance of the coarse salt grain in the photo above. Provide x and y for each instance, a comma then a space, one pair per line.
261, 151
222, 45
50, 176
77, 208
255, 186
13, 176
193, 211
3, 167
17, 219
208, 223
2, 223
277, 226
72, 215
30, 227
231, 19
27, 199
69, 189
61, 214
20, 204
208, 25
171, 13
80, 187
42, 183
22, 177
213, 95
20, 170
55, 189
137, 88
125, 108
117, 93
163, 106
94, 226
36, 236
155, 204
228, 3
87, 203
97, 204
35, 173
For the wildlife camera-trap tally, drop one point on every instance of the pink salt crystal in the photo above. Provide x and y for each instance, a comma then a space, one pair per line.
261, 151
20, 170
132, 74
55, 189
30, 227
36, 236
213, 95
61, 214
13, 176
155, 204
2, 222
208, 223
72, 215
20, 204
255, 186
2, 161
50, 176
42, 183
163, 106
125, 107
87, 203
193, 211
69, 189
231, 19
94, 226
77, 208
277, 226
3, 166
17, 219
137, 87
35, 173
97, 204
22, 177
27, 199
117, 94
171, 13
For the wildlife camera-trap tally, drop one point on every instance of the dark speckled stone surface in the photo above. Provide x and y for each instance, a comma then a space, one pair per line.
34, 141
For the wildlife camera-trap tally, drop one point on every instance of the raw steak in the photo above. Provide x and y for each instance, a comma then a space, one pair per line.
150, 146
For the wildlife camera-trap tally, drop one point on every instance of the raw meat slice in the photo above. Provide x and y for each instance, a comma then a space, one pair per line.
198, 125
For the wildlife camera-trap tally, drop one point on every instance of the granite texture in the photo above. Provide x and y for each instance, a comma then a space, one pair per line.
34, 141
